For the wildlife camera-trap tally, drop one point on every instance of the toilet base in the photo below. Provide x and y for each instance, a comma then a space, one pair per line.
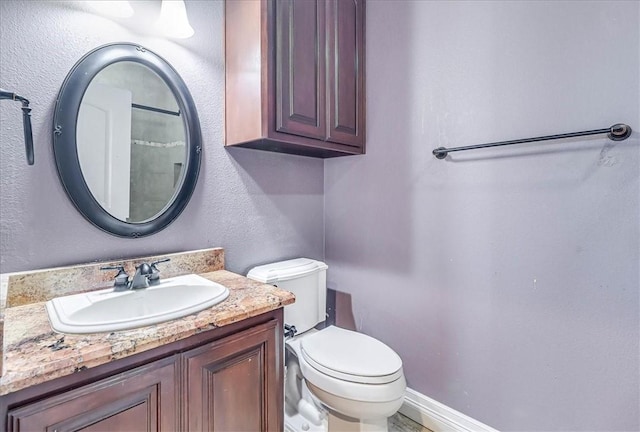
307, 414
294, 422
344, 424
369, 413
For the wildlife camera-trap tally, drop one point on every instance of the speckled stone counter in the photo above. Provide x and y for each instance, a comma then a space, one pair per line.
42, 285
34, 353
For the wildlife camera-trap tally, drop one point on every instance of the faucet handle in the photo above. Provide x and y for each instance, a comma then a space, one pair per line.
121, 280
154, 276
153, 264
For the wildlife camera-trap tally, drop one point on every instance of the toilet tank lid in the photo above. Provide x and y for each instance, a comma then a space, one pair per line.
285, 270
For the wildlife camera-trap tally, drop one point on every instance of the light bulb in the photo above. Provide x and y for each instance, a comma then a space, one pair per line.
173, 21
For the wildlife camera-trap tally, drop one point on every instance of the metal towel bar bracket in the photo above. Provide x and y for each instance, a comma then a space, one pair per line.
26, 121
617, 132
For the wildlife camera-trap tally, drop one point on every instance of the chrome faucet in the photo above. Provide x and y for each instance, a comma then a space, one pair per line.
146, 275
141, 278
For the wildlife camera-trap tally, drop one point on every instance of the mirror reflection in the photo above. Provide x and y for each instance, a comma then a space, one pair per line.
131, 142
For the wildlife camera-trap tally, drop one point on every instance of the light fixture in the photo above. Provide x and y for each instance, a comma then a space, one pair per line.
173, 21
113, 8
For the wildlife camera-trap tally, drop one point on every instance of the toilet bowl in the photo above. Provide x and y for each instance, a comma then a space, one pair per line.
337, 379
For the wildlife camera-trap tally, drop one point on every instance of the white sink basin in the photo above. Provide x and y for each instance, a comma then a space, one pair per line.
107, 310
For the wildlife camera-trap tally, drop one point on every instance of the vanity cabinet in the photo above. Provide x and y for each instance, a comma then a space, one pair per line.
226, 379
295, 76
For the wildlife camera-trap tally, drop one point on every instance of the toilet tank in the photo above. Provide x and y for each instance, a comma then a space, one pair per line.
307, 280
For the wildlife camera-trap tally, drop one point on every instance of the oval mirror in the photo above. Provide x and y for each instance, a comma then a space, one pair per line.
127, 140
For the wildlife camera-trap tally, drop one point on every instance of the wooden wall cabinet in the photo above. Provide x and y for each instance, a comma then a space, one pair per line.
295, 76
230, 383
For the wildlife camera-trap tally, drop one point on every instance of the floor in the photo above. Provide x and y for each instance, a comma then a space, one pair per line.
400, 423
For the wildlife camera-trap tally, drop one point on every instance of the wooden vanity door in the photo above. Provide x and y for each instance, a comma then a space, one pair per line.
234, 384
142, 399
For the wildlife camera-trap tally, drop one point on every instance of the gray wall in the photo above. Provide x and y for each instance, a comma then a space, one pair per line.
258, 206
506, 279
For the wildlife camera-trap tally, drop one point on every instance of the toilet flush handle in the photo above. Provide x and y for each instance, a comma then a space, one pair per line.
289, 331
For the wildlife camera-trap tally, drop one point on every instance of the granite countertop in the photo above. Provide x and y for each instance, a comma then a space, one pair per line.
34, 353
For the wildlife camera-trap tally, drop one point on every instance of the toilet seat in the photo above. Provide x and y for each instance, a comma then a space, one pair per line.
351, 356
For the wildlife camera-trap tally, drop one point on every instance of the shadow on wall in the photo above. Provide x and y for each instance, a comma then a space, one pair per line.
369, 218
340, 310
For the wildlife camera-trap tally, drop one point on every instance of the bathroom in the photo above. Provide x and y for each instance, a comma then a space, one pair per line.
506, 279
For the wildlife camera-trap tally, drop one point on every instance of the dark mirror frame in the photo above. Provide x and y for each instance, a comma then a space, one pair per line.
65, 146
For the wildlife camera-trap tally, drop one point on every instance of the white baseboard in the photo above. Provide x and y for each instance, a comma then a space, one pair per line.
438, 417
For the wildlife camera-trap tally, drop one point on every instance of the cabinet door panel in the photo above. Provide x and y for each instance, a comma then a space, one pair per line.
232, 384
142, 399
300, 68
345, 79
136, 418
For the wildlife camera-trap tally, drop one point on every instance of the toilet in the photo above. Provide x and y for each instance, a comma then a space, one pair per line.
336, 379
